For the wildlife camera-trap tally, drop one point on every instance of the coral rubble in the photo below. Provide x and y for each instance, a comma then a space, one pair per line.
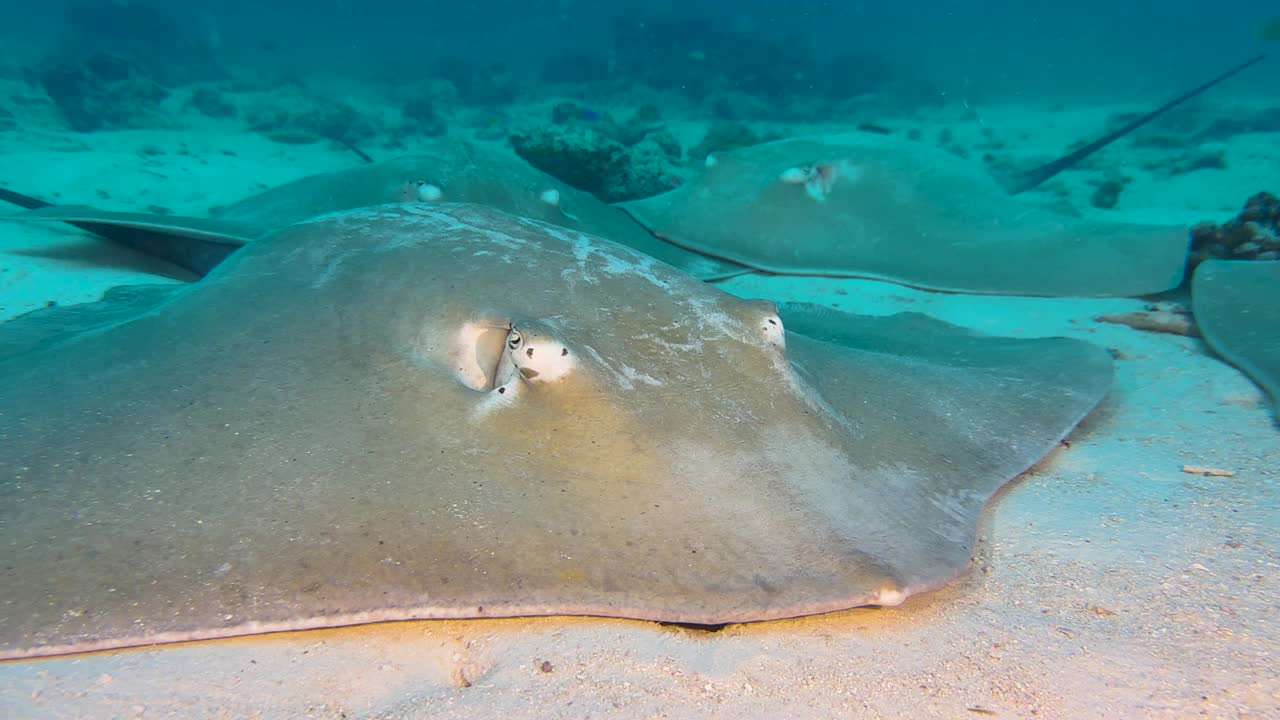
1252, 235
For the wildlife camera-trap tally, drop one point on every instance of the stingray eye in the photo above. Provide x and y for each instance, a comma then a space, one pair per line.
774, 333
514, 339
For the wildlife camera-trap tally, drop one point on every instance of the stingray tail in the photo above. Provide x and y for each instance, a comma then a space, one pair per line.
359, 153
1032, 178
198, 251
25, 201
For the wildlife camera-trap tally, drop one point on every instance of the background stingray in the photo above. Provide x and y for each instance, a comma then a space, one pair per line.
872, 206
445, 411
1237, 307
459, 171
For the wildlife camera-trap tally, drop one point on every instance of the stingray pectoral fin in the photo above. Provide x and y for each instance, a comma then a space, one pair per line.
197, 244
50, 326
1235, 308
927, 396
212, 230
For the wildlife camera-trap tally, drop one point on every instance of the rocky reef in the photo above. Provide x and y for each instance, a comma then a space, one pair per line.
300, 117
115, 62
148, 35
613, 160
104, 91
697, 58
1254, 234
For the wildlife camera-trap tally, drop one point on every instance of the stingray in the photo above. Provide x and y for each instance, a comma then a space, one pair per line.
863, 205
448, 170
1237, 307
915, 215
446, 411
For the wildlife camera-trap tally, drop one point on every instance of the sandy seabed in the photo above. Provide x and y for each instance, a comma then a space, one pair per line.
1108, 582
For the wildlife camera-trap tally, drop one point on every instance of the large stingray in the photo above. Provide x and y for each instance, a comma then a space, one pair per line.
448, 169
867, 205
433, 411
1237, 308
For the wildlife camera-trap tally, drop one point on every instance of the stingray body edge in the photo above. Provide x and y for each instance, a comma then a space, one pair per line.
290, 444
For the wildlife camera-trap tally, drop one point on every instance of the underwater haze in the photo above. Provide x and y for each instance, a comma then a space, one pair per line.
1089, 48
639, 359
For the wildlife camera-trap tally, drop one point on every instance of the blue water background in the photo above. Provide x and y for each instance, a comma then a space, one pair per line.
996, 49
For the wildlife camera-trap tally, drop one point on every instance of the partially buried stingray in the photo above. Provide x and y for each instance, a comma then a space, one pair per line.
1237, 308
898, 211
445, 411
865, 205
444, 170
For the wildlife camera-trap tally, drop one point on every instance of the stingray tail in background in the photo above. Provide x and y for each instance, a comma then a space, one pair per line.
23, 201
194, 244
1025, 181
359, 153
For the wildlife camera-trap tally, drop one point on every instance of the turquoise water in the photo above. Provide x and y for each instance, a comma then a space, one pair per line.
852, 155
1089, 48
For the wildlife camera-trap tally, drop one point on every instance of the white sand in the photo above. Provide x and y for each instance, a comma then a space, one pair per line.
1108, 583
